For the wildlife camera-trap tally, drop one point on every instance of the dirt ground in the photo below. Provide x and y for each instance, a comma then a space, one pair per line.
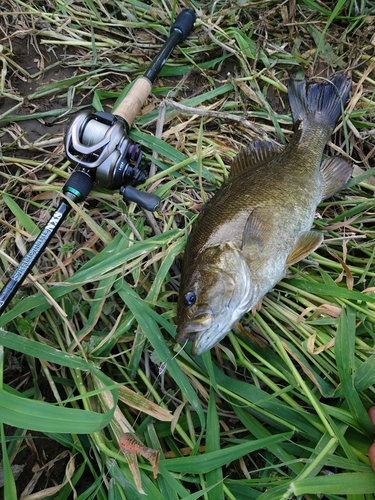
27, 57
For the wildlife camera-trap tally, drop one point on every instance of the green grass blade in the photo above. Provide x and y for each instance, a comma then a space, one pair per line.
201, 464
215, 477
344, 351
20, 215
36, 415
355, 483
259, 431
338, 6
123, 479
144, 316
114, 256
364, 376
43, 351
168, 151
192, 101
9, 483
330, 291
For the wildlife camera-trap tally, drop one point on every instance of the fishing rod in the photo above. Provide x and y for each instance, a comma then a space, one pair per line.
98, 147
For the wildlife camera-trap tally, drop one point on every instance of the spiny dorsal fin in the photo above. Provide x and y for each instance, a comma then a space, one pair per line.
256, 154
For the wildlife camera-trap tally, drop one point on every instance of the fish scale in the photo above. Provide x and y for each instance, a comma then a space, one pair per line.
258, 223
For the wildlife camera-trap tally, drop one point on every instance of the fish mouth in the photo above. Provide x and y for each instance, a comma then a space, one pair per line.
188, 332
205, 331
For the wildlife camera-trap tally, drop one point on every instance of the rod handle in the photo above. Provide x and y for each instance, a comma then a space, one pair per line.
184, 23
132, 103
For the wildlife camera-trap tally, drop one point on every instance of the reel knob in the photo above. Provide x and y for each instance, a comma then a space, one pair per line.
148, 201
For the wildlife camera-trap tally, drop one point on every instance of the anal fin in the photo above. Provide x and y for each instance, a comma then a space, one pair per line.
336, 172
306, 243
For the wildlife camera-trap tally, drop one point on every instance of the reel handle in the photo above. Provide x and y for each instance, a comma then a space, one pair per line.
148, 201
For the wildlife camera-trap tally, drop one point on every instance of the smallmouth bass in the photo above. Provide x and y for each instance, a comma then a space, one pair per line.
259, 222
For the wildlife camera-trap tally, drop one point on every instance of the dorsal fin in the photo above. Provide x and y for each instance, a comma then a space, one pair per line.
256, 154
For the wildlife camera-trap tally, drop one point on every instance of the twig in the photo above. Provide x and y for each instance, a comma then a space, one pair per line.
158, 133
216, 114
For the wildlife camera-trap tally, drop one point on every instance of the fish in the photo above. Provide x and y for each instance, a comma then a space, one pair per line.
259, 221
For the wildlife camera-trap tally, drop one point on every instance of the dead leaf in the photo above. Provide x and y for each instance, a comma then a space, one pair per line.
328, 309
131, 398
305, 369
311, 345
176, 416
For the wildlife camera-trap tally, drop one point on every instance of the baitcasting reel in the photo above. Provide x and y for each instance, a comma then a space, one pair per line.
97, 141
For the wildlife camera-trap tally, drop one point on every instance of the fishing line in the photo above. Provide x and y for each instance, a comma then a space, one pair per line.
163, 366
161, 371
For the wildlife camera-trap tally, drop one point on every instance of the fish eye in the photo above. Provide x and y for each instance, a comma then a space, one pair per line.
190, 298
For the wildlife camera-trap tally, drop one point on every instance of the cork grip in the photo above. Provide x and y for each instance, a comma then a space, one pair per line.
132, 103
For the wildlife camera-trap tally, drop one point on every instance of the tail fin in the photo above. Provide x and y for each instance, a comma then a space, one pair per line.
320, 102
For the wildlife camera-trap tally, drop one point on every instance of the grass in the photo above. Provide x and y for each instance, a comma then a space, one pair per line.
279, 409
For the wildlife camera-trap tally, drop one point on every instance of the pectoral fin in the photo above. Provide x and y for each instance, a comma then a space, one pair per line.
255, 231
306, 243
336, 172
